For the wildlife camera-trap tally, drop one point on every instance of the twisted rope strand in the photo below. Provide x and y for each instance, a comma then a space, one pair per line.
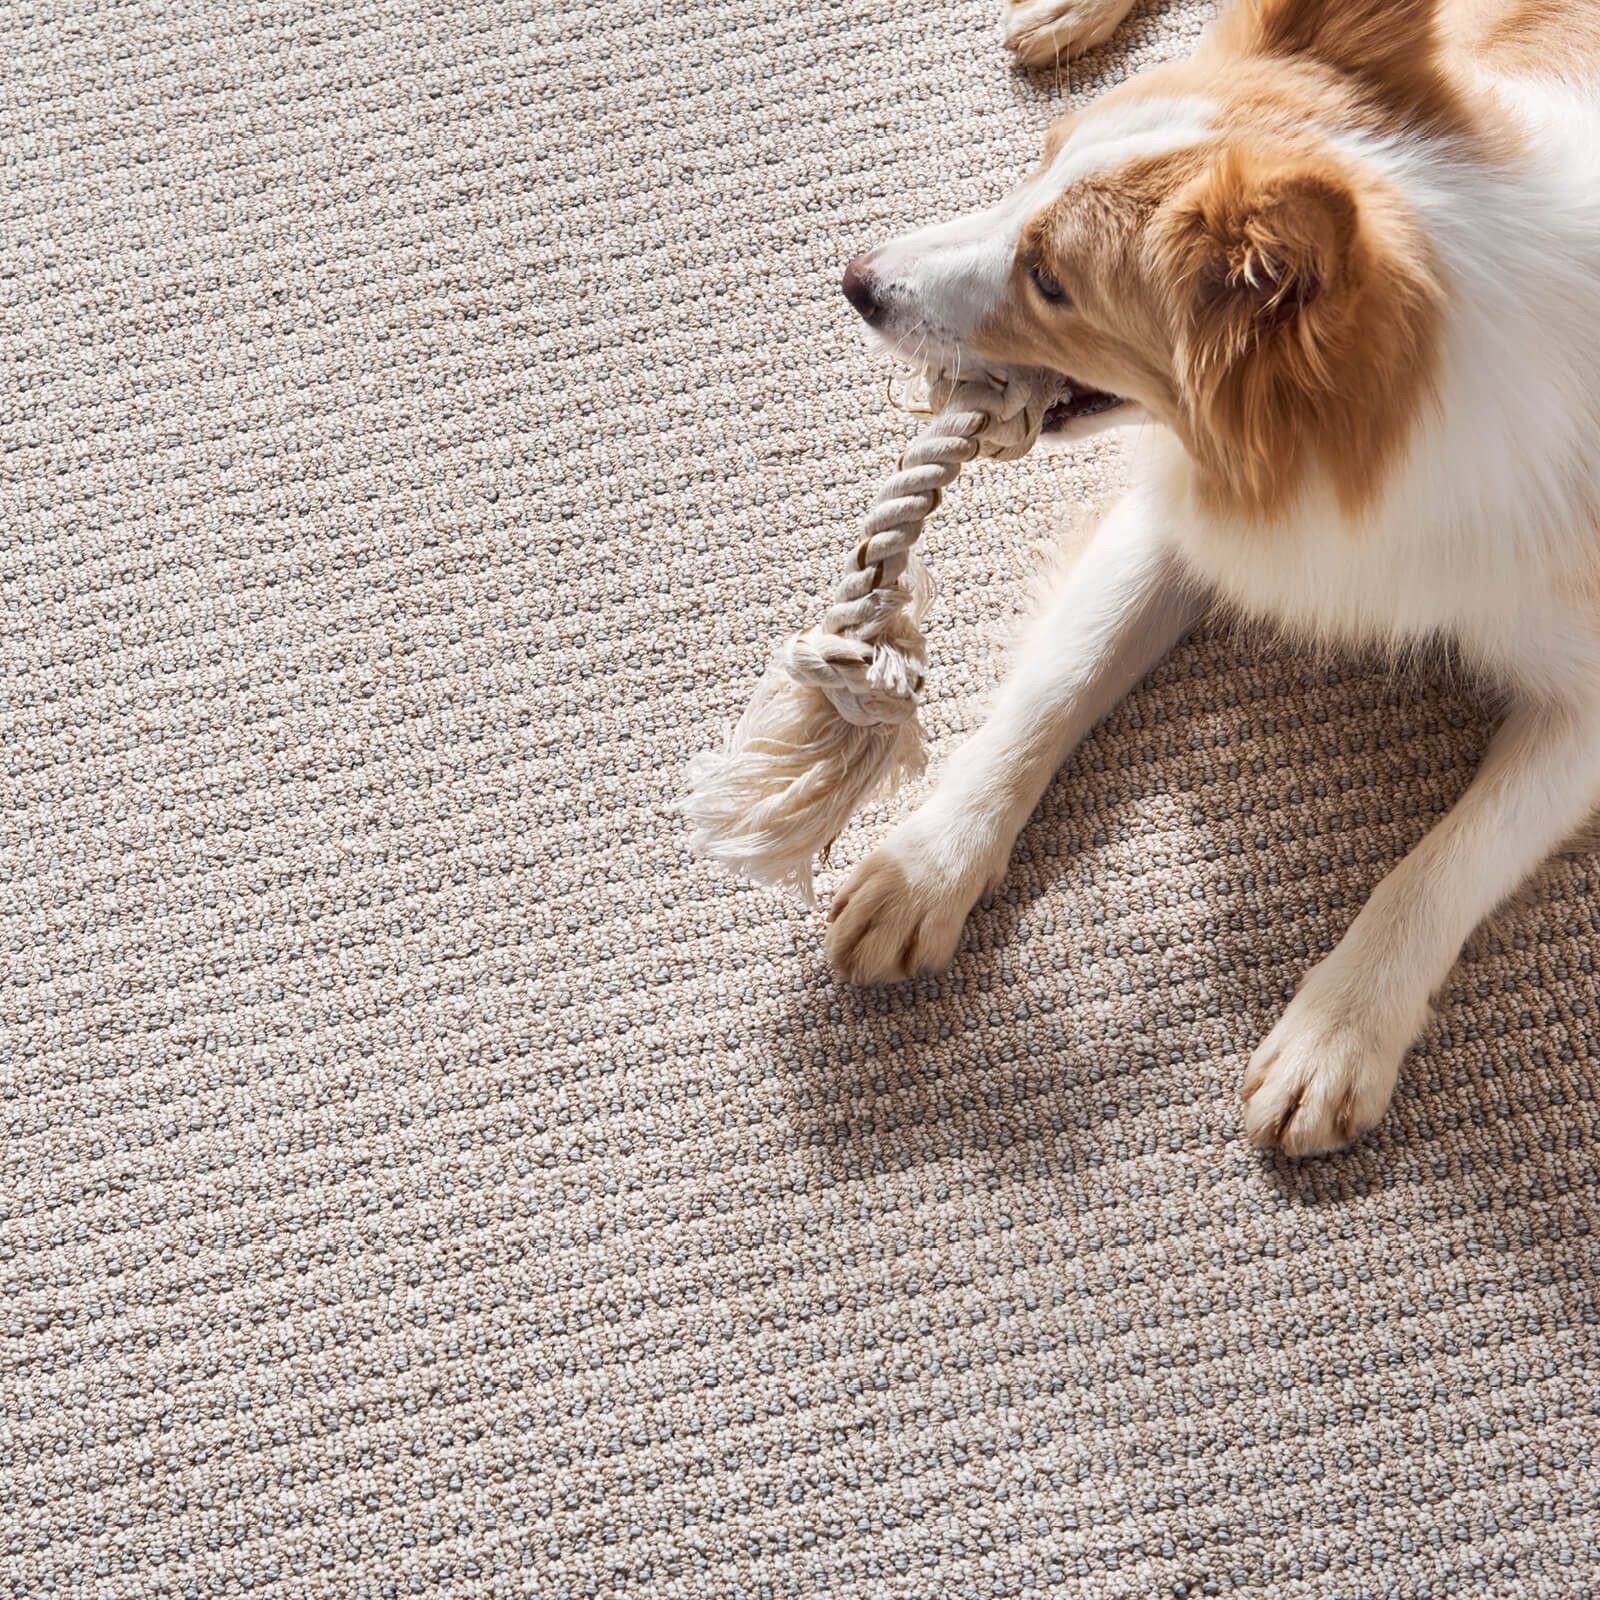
834, 720
870, 671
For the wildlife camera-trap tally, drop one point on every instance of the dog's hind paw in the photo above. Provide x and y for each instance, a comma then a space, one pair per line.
1042, 32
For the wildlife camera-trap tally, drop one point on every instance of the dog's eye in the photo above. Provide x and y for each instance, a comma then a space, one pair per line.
1046, 284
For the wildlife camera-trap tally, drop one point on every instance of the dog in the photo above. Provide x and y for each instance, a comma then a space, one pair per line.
1347, 260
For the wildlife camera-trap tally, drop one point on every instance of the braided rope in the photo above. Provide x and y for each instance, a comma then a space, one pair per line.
834, 720
852, 655
871, 671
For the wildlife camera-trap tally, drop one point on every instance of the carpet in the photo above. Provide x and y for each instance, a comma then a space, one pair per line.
419, 1176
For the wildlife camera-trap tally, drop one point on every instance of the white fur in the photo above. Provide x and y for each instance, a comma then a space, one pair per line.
1484, 536
1048, 32
939, 283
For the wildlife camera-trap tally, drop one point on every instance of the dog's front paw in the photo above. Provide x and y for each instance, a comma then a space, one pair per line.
1042, 32
1325, 1073
901, 911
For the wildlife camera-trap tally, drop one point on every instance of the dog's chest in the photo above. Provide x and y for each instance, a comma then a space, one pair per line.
1410, 579
1320, 580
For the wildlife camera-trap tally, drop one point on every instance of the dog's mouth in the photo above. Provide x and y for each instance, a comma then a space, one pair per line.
1073, 402
1076, 402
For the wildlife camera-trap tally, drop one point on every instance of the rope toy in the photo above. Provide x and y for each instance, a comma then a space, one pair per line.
833, 722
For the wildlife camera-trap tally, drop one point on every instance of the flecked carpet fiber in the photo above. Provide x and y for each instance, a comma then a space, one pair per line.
419, 1176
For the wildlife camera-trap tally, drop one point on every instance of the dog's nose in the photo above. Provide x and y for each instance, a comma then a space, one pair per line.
861, 288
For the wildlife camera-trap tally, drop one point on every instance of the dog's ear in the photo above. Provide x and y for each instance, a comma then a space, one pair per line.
1261, 253
1389, 47
1302, 308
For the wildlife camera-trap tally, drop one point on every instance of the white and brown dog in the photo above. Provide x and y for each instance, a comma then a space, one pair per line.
1348, 259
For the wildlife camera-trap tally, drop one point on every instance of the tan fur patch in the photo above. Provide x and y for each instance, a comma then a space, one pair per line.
1538, 38
1114, 331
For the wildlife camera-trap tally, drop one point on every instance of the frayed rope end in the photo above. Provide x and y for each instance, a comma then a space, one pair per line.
788, 780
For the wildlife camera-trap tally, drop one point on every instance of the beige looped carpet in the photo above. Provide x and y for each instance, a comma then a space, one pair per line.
420, 1178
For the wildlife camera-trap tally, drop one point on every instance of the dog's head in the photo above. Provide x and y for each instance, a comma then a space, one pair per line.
1208, 245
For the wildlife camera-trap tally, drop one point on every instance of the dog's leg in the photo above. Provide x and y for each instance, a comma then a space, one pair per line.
1326, 1071
1043, 32
1118, 612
